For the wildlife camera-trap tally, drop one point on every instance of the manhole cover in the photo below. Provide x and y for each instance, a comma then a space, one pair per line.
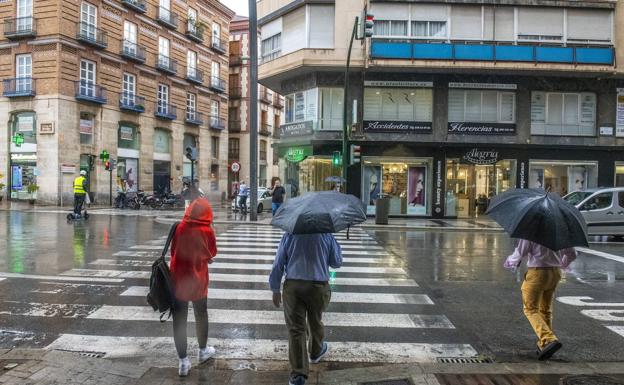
403, 381
590, 380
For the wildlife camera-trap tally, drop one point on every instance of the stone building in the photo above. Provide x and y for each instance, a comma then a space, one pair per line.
139, 79
450, 102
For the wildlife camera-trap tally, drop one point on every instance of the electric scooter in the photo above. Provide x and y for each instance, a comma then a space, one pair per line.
83, 215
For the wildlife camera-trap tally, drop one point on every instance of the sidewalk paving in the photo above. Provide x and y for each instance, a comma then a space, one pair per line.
39, 366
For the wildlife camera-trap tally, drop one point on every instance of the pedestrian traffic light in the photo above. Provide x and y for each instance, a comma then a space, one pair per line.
107, 165
337, 158
355, 153
367, 24
191, 153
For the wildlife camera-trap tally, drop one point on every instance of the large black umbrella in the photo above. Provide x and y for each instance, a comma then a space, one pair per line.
319, 212
541, 217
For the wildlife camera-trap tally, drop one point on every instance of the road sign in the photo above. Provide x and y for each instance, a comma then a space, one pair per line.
235, 167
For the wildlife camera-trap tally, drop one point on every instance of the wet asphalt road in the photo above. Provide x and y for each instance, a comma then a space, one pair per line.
460, 271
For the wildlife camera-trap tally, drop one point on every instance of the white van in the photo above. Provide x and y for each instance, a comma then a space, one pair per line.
602, 208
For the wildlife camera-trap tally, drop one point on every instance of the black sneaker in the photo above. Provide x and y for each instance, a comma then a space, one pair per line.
548, 351
317, 359
299, 380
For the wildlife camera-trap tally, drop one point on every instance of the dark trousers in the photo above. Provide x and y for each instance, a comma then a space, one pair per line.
242, 203
78, 202
180, 315
304, 301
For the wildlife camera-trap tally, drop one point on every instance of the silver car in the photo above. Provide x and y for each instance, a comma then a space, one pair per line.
264, 201
602, 208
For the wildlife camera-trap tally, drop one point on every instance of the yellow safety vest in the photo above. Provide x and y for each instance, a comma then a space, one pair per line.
78, 185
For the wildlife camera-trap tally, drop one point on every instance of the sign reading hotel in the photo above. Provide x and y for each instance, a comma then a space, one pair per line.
296, 129
477, 156
466, 128
397, 126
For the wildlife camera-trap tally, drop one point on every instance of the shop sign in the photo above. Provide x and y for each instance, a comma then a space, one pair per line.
484, 86
25, 124
619, 119
46, 128
606, 131
397, 126
476, 156
296, 129
438, 196
467, 128
297, 154
392, 83
126, 133
16, 178
68, 168
522, 174
22, 157
86, 126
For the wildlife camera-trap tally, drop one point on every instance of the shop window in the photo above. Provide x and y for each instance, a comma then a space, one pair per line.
563, 177
481, 106
162, 141
619, 175
322, 106
24, 123
599, 202
87, 123
398, 104
331, 108
563, 114
128, 171
128, 137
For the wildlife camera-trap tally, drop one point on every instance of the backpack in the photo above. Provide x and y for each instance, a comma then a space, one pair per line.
161, 294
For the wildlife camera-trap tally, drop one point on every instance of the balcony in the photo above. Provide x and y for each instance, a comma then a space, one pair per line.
20, 27
265, 129
217, 123
131, 102
236, 60
488, 51
167, 65
234, 126
235, 92
218, 45
266, 96
194, 75
137, 5
165, 111
90, 92
277, 102
167, 18
133, 51
18, 87
217, 84
92, 35
194, 32
194, 117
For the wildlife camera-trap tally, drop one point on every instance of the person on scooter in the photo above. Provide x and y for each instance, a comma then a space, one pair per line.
80, 191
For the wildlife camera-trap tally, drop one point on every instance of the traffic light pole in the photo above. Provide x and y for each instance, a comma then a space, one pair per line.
253, 111
110, 187
345, 115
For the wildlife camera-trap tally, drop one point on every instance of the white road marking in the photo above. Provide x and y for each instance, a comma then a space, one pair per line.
59, 278
581, 301
262, 250
263, 278
270, 317
147, 261
37, 309
604, 314
601, 254
127, 253
242, 242
276, 240
619, 329
338, 297
250, 349
2, 279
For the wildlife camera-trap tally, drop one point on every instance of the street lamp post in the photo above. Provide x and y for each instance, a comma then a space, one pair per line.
253, 110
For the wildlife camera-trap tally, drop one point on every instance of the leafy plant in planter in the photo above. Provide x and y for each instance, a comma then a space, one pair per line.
2, 185
32, 189
198, 26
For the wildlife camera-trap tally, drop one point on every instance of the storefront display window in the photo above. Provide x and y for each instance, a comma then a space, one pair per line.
305, 174
24, 124
398, 104
470, 186
481, 106
619, 174
86, 128
128, 170
23, 174
563, 177
564, 114
128, 137
162, 141
321, 106
406, 182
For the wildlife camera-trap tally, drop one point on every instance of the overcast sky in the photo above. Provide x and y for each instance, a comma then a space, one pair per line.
239, 6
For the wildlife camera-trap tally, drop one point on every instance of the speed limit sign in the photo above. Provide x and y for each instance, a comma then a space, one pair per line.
235, 167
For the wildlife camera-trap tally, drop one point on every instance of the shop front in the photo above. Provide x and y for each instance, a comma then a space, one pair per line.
162, 161
562, 177
304, 168
128, 156
23, 156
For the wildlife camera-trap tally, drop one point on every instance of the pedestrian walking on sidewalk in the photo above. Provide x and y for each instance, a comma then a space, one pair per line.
193, 247
538, 289
304, 259
277, 196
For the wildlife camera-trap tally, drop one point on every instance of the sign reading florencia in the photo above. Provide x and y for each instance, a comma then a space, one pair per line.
466, 128
397, 126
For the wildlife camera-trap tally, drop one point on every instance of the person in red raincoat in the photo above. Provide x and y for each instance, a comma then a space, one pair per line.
192, 248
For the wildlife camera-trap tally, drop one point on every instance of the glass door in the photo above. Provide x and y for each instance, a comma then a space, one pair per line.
23, 73
129, 88
24, 15
163, 52
87, 78
130, 38
163, 99
88, 20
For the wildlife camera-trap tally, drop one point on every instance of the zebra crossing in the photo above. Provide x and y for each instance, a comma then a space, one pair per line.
377, 313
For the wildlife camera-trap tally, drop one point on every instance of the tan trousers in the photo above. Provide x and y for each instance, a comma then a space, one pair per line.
304, 304
538, 291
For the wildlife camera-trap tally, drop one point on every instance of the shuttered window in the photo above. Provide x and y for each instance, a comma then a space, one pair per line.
481, 106
540, 24
321, 27
466, 22
590, 25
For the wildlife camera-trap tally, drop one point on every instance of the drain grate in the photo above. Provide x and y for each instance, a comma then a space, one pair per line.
464, 360
403, 381
589, 380
85, 353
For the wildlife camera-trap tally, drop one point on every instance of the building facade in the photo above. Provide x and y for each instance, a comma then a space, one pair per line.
451, 102
139, 79
270, 106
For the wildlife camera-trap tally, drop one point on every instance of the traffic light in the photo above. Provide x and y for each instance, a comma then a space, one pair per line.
337, 158
107, 165
355, 153
367, 24
191, 153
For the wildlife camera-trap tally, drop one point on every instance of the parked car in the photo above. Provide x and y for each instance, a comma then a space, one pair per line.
264, 201
602, 208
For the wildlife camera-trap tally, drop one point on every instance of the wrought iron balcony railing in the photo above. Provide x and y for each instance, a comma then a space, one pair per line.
90, 92
218, 45
165, 111
167, 18
167, 65
194, 117
131, 102
217, 123
137, 5
18, 87
20, 27
92, 35
133, 51
194, 75
217, 84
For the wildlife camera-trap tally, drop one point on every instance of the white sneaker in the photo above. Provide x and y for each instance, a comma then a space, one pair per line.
184, 367
206, 353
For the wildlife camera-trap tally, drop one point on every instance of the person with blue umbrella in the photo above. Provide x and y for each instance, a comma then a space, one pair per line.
548, 228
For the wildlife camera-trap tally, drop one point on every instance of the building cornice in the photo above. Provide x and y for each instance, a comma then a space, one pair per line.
289, 8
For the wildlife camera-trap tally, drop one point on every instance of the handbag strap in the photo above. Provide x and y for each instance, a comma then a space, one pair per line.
169, 238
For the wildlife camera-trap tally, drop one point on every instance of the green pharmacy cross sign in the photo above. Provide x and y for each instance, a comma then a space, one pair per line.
18, 139
104, 155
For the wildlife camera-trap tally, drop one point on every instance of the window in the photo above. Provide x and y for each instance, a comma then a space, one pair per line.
129, 89
165, 4
214, 146
272, 47
540, 24
398, 104
599, 202
302, 106
130, 38
216, 33
589, 26
216, 72
566, 114
24, 14
331, 108
163, 99
87, 78
233, 148
481, 106
88, 20
163, 52
162, 140
23, 73
128, 137
191, 64
263, 150
214, 109
86, 128
429, 29
390, 28
191, 106
320, 26
192, 20
466, 22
